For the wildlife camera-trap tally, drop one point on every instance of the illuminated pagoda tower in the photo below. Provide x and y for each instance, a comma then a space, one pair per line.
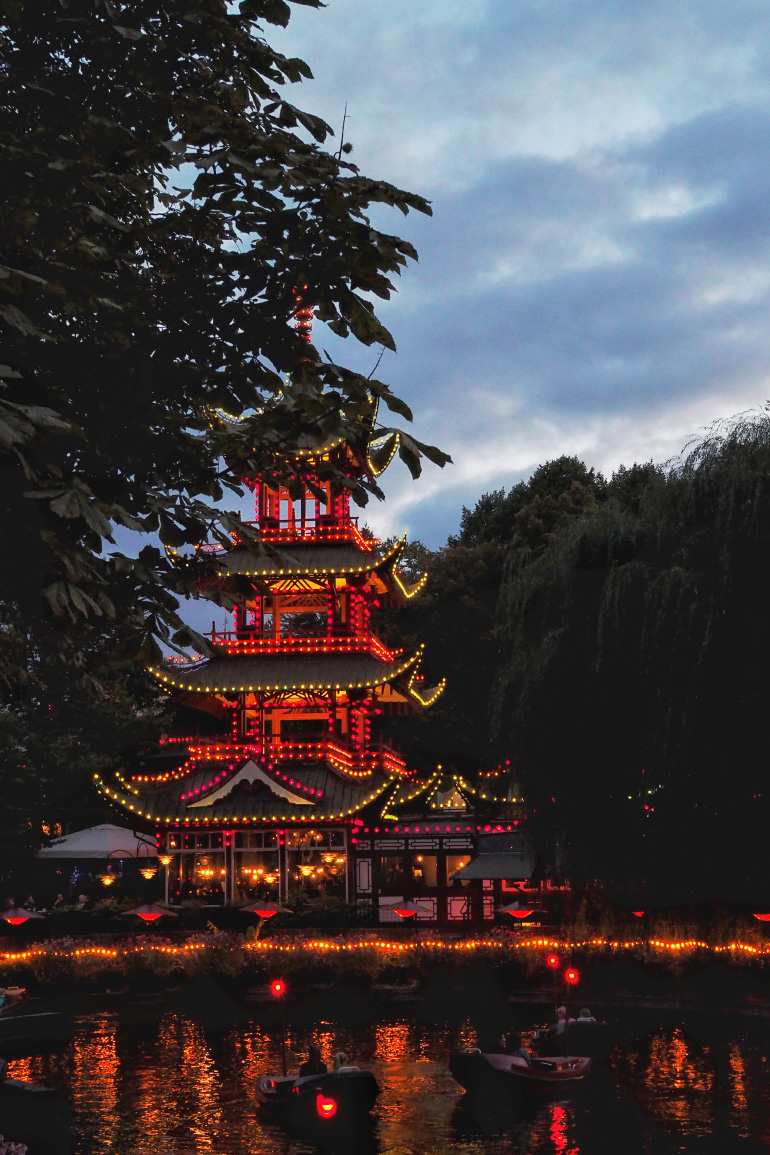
295, 792
268, 804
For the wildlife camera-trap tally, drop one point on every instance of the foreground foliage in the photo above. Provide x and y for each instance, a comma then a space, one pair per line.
166, 210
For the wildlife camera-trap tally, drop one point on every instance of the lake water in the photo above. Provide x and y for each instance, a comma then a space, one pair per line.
163, 1082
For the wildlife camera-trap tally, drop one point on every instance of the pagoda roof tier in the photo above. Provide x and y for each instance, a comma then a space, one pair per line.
448, 791
298, 792
373, 449
271, 673
309, 559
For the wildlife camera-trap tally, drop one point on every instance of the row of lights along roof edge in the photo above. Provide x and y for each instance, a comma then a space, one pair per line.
235, 658
390, 556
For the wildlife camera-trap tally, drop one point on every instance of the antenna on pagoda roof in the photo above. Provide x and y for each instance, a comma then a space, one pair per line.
303, 315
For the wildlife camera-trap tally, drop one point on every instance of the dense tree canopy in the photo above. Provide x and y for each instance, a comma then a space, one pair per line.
165, 210
456, 616
60, 722
633, 652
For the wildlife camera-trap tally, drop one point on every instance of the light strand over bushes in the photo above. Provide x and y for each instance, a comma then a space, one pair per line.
222, 943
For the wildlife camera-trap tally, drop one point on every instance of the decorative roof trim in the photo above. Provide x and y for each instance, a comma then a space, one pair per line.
367, 565
197, 823
168, 682
432, 694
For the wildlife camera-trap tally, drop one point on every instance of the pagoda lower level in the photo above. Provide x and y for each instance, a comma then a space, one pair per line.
287, 786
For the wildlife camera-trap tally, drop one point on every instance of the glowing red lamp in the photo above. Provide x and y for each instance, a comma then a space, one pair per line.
638, 913
408, 909
326, 1108
278, 988
763, 917
571, 976
16, 915
517, 910
265, 909
553, 960
150, 911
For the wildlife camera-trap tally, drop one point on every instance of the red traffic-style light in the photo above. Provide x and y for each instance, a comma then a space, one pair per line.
571, 976
278, 987
553, 960
326, 1108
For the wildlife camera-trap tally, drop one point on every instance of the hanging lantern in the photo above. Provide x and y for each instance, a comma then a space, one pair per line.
165, 860
107, 879
148, 872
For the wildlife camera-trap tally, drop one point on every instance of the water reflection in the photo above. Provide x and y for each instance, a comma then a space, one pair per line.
169, 1086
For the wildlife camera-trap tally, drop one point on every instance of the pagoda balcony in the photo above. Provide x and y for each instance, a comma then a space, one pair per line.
347, 757
246, 642
322, 529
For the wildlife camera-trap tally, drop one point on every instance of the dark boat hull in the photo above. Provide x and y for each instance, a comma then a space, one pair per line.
32, 1115
25, 1033
289, 1096
551, 1074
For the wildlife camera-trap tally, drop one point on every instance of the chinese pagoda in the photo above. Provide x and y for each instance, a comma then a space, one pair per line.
295, 792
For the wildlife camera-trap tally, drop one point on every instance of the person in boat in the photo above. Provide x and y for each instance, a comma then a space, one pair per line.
313, 1064
561, 1020
10, 995
341, 1063
514, 1047
585, 1016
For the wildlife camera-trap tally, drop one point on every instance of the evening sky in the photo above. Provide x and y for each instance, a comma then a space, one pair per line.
595, 278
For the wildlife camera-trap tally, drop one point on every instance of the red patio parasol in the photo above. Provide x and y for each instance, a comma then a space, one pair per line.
265, 909
16, 915
517, 909
149, 911
407, 908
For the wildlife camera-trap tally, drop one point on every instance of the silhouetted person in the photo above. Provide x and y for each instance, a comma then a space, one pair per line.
313, 1064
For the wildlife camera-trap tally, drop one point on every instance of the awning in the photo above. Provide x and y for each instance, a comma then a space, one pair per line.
100, 842
513, 864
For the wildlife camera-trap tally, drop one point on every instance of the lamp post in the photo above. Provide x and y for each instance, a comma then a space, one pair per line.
571, 977
278, 987
553, 963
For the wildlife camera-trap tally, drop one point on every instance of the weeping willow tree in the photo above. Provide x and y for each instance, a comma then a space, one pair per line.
633, 676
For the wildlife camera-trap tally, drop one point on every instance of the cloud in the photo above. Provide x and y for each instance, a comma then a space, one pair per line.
594, 279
